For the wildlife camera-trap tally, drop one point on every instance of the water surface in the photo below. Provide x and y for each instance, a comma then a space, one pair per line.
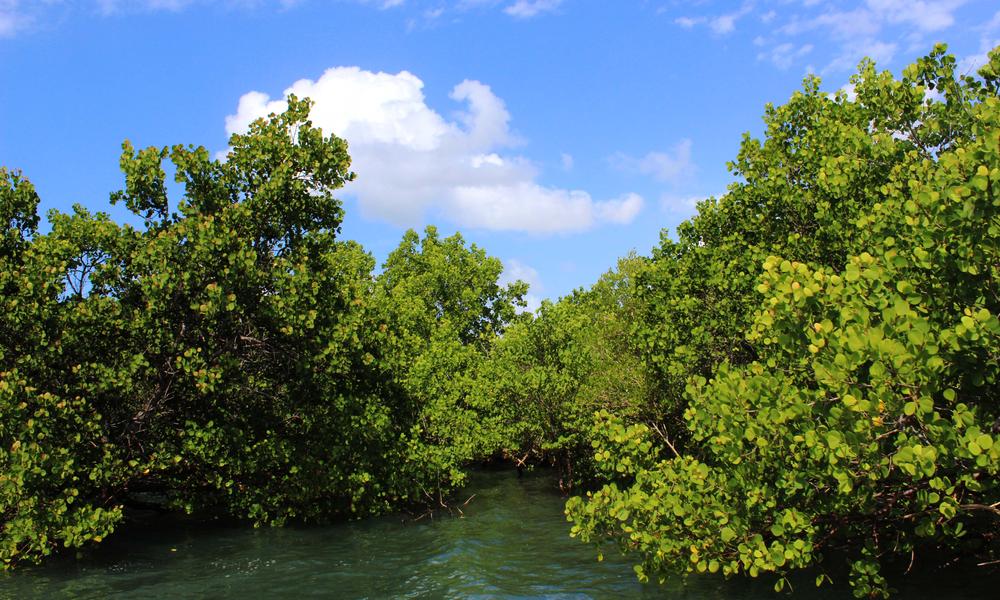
511, 542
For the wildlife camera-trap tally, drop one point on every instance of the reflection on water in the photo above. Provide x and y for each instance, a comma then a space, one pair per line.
512, 542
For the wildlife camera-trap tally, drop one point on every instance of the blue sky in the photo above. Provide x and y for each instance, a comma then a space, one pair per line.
557, 134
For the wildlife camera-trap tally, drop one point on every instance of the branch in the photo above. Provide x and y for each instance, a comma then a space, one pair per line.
663, 435
993, 508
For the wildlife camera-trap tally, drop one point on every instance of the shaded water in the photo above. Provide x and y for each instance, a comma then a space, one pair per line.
512, 542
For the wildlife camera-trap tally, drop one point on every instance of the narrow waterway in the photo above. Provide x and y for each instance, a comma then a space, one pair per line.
511, 542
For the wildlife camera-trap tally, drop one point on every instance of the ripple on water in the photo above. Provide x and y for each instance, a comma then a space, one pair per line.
512, 542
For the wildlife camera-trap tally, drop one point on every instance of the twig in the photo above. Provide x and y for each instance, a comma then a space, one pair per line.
993, 508
663, 435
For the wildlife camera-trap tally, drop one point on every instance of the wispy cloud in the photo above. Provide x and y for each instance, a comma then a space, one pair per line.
667, 167
8, 17
17, 16
786, 54
526, 9
567, 161
721, 24
689, 22
683, 204
989, 38
846, 31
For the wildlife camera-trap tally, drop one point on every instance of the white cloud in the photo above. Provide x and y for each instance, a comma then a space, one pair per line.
849, 90
850, 31
689, 22
620, 210
515, 270
987, 41
109, 7
720, 25
993, 24
19, 15
8, 19
670, 166
785, 54
413, 163
933, 15
881, 52
525, 9
683, 205
869, 20
567, 161
868, 29
723, 24
522, 206
839, 25
14, 16
970, 65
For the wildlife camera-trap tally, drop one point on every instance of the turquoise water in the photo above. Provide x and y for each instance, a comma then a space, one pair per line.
511, 542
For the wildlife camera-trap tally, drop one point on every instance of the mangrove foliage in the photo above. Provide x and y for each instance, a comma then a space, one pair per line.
807, 368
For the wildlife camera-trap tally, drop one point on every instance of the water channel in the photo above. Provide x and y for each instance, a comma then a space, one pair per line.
511, 542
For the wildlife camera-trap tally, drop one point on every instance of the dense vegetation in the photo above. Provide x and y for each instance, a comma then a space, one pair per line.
827, 336
809, 367
231, 355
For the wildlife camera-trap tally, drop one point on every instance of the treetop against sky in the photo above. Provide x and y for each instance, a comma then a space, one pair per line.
559, 134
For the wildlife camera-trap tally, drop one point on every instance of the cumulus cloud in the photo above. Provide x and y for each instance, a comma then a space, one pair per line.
621, 210
668, 167
413, 163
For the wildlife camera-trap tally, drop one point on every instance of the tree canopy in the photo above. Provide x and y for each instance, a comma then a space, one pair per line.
826, 334
808, 368
231, 355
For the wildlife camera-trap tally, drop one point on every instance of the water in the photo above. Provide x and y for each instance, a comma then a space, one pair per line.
511, 542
